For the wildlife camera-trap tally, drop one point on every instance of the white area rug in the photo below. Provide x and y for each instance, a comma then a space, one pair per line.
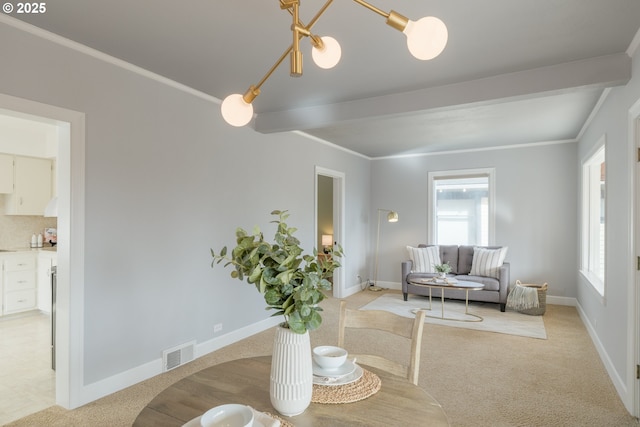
509, 322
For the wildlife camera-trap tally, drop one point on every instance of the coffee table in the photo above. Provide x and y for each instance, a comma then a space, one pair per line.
432, 283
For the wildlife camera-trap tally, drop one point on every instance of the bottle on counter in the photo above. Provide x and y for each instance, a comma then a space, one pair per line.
34, 241
39, 240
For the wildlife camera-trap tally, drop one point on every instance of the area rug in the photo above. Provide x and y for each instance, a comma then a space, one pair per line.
509, 322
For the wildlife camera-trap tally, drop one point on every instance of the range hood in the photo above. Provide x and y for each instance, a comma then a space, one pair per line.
52, 207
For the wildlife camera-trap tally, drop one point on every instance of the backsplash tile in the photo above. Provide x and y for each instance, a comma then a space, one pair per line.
16, 230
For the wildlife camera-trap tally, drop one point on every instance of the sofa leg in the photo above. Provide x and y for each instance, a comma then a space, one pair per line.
405, 294
503, 307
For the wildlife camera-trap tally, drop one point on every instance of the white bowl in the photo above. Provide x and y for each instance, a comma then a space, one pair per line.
230, 415
329, 356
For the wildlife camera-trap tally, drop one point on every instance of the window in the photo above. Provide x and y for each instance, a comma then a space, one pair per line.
593, 218
461, 207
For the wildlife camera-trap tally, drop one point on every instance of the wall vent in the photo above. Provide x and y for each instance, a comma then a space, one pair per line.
179, 355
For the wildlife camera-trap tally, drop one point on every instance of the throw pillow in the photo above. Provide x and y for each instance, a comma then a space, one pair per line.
487, 262
424, 259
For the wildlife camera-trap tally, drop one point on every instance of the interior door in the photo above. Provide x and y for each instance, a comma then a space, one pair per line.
330, 191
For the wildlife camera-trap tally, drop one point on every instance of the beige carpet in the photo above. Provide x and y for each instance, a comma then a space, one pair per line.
481, 379
493, 320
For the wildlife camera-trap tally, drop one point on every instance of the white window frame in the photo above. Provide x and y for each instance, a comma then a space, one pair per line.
591, 243
453, 174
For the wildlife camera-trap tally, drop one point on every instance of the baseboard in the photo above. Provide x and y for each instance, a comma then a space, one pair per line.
618, 383
107, 386
553, 300
389, 285
148, 370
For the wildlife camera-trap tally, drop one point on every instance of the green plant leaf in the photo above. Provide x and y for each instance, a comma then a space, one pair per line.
292, 283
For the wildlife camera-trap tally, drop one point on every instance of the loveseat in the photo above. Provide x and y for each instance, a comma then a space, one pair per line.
494, 277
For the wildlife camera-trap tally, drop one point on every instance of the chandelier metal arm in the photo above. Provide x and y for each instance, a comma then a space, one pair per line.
237, 109
372, 8
394, 19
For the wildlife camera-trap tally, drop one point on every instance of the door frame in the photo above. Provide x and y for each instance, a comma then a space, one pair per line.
70, 249
339, 233
634, 282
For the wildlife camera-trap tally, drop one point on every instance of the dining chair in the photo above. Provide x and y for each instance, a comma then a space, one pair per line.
388, 322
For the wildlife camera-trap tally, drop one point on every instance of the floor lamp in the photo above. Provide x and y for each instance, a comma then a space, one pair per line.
391, 217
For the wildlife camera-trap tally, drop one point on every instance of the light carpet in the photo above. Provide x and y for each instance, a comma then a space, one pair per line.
509, 322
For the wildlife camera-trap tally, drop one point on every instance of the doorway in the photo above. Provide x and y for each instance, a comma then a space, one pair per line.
27, 370
70, 247
329, 217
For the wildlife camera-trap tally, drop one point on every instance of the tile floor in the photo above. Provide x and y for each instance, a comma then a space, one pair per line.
27, 382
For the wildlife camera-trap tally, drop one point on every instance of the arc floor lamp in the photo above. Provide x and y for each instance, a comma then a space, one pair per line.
392, 216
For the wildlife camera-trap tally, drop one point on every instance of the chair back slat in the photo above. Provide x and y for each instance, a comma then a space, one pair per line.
388, 322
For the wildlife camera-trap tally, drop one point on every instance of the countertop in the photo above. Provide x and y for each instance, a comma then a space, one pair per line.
47, 248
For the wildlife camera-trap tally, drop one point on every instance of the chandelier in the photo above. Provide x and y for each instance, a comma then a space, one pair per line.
426, 39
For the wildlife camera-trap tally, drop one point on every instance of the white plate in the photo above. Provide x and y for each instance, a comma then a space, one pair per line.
347, 379
346, 368
196, 423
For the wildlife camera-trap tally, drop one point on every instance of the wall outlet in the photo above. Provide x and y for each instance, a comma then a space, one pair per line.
217, 327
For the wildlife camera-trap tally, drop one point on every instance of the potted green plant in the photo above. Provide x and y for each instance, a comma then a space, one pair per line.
442, 269
292, 284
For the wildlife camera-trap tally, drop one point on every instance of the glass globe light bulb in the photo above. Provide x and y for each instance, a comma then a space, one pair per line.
236, 111
427, 37
330, 54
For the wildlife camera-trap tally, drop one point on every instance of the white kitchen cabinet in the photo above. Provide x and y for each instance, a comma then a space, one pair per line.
6, 173
32, 186
19, 282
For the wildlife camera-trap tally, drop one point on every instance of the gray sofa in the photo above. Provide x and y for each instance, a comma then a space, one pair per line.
460, 258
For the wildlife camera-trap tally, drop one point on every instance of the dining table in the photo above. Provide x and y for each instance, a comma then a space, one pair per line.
397, 402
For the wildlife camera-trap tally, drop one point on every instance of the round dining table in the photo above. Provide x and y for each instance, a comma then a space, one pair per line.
246, 381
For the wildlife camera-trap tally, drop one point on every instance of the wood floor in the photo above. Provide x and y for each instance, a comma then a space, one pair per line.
27, 382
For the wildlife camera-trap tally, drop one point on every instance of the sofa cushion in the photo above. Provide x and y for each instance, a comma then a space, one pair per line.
449, 255
487, 262
424, 259
465, 259
490, 284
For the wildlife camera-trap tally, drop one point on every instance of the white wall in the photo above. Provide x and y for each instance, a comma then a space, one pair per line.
609, 319
535, 209
166, 180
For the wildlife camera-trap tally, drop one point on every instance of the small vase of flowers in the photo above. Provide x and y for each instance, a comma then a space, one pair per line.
442, 269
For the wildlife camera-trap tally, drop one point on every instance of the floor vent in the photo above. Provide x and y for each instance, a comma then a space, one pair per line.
176, 356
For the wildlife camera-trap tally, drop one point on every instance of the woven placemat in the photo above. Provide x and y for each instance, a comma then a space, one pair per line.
366, 386
283, 422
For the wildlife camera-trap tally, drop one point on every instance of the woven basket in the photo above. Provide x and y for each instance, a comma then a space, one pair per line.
542, 298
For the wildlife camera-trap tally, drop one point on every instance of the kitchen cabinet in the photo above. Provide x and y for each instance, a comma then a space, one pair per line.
32, 186
19, 282
6, 173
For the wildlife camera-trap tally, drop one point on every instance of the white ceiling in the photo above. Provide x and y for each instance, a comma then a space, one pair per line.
513, 72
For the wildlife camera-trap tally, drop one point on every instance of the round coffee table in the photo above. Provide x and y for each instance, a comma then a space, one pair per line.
432, 283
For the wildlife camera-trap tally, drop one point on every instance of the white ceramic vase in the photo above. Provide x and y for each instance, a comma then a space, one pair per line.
291, 383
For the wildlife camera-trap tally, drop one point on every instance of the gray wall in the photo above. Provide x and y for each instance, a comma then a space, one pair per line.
536, 209
609, 318
166, 180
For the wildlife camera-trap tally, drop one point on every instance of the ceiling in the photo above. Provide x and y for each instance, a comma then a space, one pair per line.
513, 72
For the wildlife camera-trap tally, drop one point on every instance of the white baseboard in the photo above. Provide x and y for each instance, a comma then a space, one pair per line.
148, 370
618, 383
572, 302
389, 285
